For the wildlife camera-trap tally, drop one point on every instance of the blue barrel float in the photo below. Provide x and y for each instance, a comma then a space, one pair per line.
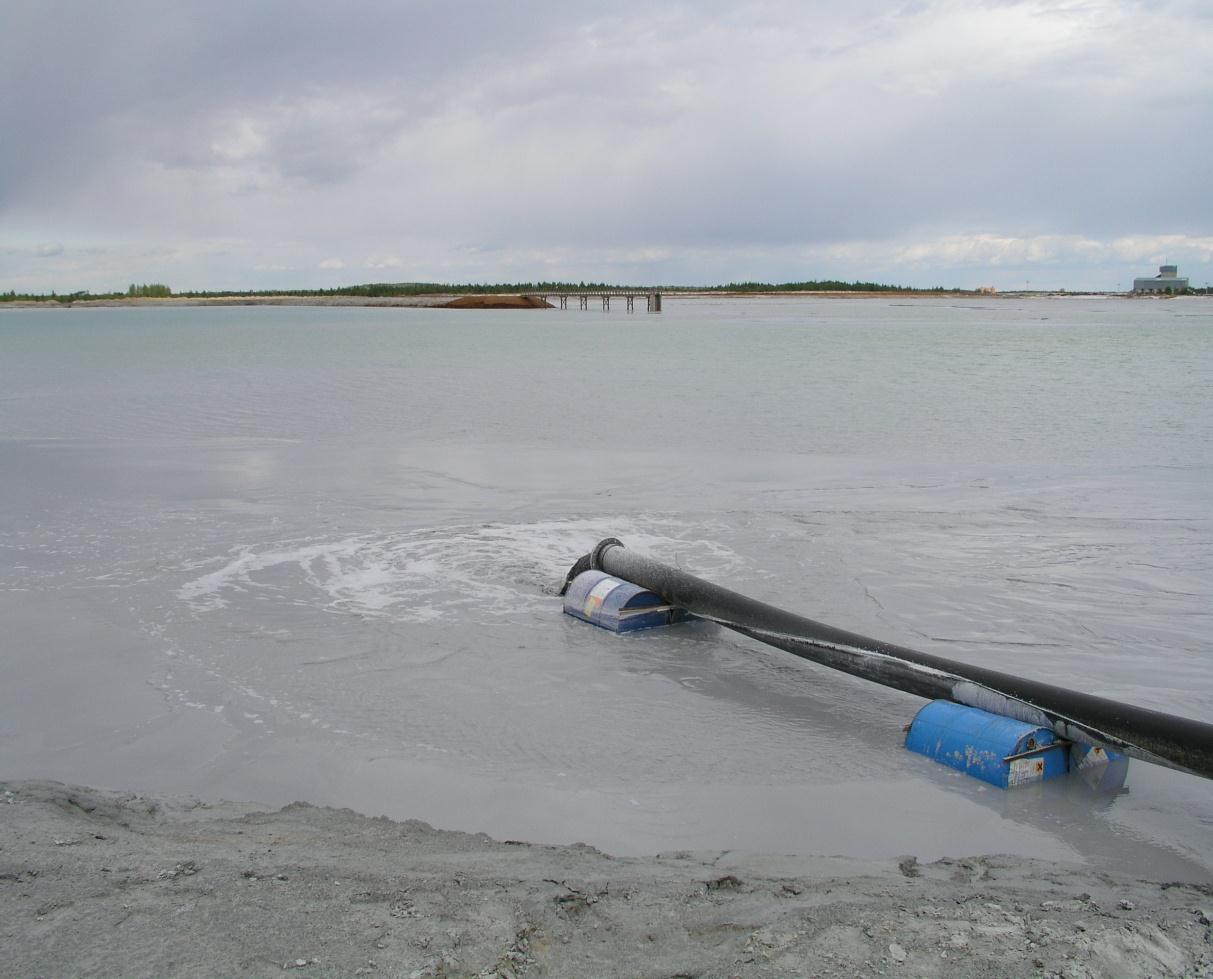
996, 749
612, 603
1001, 751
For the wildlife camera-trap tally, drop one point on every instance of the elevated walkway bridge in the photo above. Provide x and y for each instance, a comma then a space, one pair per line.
561, 297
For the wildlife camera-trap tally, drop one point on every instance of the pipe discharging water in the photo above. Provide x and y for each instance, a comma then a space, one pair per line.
1150, 735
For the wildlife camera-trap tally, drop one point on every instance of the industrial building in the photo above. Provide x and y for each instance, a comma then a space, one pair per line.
1168, 282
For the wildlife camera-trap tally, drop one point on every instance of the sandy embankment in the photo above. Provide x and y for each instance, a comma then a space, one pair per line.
437, 300
498, 302
107, 884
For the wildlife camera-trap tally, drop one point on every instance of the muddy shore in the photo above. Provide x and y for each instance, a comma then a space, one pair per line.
415, 301
100, 883
433, 301
490, 301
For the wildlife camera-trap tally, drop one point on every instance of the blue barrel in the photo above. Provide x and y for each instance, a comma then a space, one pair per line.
999, 750
618, 605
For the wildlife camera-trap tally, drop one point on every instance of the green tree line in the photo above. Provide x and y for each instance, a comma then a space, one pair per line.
153, 290
372, 290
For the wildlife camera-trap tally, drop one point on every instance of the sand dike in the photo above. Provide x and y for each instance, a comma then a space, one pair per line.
498, 302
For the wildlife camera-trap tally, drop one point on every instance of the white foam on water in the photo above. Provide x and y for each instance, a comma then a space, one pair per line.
420, 575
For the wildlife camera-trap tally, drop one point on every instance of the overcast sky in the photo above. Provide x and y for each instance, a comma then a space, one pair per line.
213, 144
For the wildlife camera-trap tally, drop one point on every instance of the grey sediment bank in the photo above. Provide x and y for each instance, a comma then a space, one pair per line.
105, 883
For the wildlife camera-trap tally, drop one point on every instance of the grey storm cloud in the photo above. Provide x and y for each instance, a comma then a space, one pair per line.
340, 133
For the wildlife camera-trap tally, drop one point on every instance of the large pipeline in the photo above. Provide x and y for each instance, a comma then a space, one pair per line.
1176, 742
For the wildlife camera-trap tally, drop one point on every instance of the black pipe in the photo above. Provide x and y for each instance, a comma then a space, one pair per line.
1177, 742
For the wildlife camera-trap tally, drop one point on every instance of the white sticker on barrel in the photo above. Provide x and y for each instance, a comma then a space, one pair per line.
1026, 770
598, 594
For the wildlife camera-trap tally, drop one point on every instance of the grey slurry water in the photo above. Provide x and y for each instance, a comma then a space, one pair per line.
282, 553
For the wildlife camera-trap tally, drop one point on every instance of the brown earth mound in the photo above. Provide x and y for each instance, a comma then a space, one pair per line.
498, 302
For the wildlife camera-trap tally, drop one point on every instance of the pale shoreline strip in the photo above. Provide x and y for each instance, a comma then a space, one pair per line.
95, 882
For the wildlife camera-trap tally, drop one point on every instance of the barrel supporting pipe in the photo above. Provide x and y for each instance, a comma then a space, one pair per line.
1164, 739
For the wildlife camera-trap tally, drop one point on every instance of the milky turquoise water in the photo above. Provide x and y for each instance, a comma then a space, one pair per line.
280, 553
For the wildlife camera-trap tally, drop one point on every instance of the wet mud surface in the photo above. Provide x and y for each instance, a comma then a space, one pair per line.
101, 883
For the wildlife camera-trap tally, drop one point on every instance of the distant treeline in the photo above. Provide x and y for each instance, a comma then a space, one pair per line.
386, 290
152, 290
818, 285
148, 290
54, 297
389, 289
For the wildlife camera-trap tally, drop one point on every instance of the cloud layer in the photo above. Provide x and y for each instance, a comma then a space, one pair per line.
1063, 142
